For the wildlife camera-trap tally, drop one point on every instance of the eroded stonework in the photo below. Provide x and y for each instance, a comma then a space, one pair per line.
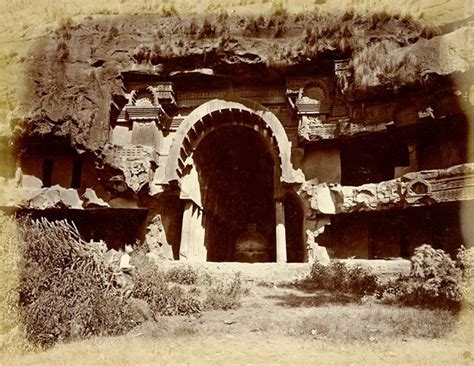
195, 134
412, 189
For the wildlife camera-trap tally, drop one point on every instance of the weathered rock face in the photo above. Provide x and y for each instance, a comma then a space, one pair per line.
141, 94
412, 189
76, 75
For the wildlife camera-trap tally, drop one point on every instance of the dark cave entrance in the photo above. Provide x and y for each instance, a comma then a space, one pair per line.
235, 166
294, 217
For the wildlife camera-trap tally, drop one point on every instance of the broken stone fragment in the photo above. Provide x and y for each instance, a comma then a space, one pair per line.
70, 198
324, 200
316, 253
91, 199
135, 161
51, 197
321, 255
156, 239
31, 182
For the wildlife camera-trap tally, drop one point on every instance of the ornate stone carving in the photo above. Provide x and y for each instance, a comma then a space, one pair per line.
308, 106
346, 128
135, 161
412, 189
313, 128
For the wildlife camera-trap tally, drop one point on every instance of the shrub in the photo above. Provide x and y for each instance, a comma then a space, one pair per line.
253, 27
64, 286
151, 286
225, 296
207, 29
74, 307
182, 275
435, 280
337, 276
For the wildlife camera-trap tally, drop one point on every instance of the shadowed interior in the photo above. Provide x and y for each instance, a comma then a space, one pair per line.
235, 167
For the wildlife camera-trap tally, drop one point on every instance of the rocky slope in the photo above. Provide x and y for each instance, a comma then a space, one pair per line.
63, 73
75, 75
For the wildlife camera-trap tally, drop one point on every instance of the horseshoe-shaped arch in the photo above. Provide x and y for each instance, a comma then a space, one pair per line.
216, 113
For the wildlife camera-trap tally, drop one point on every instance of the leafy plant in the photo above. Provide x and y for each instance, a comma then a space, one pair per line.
435, 280
337, 276
64, 290
151, 286
182, 275
225, 296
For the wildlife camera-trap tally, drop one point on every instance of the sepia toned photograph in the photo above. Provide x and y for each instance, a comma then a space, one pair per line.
236, 182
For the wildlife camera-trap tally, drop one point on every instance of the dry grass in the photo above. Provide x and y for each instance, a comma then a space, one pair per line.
23, 21
276, 325
352, 323
12, 338
331, 335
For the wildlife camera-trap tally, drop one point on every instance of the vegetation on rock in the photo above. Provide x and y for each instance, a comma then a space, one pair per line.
96, 52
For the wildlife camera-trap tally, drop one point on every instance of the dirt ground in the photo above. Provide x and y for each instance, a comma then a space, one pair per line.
277, 324
280, 272
252, 350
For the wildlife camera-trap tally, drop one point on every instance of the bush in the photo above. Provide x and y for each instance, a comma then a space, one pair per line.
151, 286
435, 281
66, 290
339, 277
225, 296
182, 275
64, 287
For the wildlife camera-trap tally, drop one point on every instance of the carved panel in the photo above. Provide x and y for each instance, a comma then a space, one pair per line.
412, 189
314, 128
135, 162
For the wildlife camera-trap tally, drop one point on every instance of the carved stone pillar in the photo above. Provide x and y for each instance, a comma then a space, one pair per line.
192, 234
280, 232
186, 230
197, 237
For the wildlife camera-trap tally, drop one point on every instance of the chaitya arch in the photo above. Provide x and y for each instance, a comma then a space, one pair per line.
249, 219
215, 113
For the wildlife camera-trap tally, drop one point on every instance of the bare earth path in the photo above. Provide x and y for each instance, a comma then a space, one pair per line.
276, 324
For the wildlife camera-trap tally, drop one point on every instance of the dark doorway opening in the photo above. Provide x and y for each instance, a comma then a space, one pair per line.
236, 175
295, 243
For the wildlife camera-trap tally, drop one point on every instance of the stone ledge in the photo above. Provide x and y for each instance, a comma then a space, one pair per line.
414, 189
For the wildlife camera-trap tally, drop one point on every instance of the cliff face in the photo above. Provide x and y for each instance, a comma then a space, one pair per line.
75, 76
